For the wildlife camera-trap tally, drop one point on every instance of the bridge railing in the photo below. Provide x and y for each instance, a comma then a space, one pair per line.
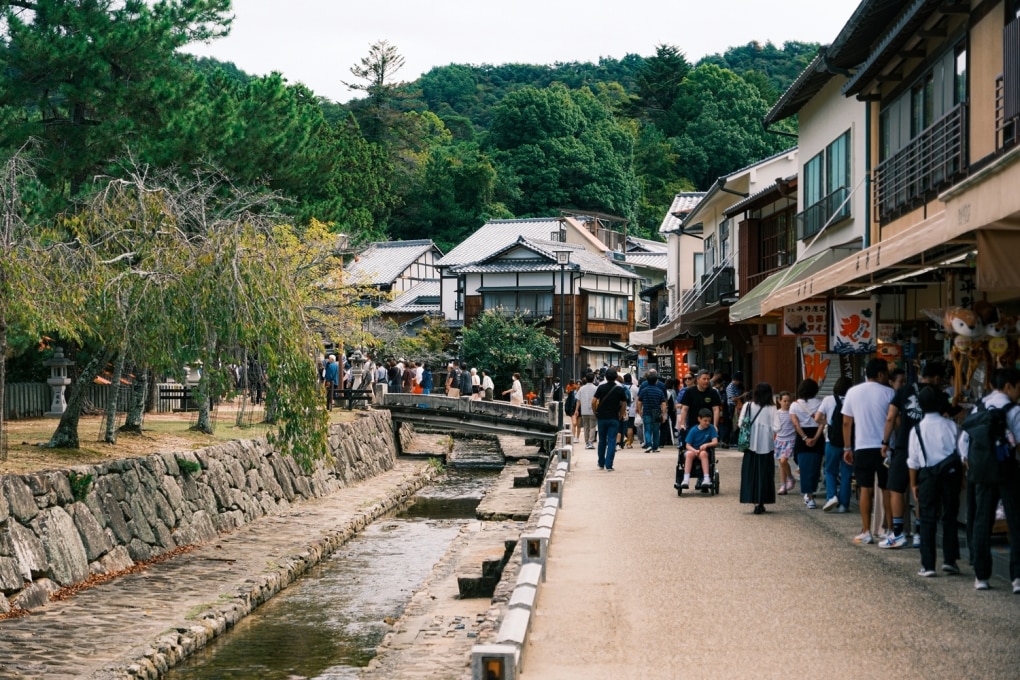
547, 416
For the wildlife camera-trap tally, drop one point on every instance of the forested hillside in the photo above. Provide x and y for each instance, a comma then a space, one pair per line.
435, 156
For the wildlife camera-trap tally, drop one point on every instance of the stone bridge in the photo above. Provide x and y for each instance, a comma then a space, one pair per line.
465, 414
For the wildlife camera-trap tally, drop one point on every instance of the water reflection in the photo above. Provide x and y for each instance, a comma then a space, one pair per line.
328, 624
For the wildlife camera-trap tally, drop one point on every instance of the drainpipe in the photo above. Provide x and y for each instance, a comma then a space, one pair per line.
867, 174
722, 187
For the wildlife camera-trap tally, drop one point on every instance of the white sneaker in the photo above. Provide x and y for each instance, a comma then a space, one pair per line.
1016, 586
707, 481
980, 585
917, 541
864, 537
830, 504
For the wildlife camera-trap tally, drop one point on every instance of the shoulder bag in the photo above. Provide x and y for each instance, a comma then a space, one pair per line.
744, 440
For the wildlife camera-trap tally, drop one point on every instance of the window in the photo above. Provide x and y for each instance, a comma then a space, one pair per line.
826, 187
611, 307
529, 304
960, 89
724, 241
699, 266
710, 251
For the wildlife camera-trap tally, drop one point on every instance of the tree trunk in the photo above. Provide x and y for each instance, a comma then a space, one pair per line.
66, 434
204, 389
110, 437
139, 391
3, 383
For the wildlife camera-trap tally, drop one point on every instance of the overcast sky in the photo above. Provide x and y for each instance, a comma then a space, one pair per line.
315, 42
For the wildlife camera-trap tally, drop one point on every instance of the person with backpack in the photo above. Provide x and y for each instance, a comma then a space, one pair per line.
988, 446
935, 474
838, 472
905, 409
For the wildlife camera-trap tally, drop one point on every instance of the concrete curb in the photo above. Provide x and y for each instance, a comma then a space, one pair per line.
503, 657
171, 649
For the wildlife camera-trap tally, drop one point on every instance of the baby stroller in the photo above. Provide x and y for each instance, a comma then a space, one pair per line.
697, 475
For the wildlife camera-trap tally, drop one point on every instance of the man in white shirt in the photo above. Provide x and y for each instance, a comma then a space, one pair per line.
983, 496
864, 410
588, 419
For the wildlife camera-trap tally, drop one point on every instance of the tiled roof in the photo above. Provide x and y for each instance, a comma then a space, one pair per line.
580, 260
682, 203
382, 262
651, 260
809, 83
405, 302
635, 244
495, 235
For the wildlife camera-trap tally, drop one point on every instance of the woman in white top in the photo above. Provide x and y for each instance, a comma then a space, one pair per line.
516, 392
809, 447
758, 470
476, 385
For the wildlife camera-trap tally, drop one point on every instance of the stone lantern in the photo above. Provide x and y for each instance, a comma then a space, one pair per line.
58, 380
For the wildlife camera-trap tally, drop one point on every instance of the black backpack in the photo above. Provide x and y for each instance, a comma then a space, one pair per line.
571, 403
836, 426
989, 447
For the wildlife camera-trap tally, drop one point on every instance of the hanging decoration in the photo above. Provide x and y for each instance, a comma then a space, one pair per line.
853, 327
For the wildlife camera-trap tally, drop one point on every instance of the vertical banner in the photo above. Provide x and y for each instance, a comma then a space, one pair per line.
853, 327
814, 364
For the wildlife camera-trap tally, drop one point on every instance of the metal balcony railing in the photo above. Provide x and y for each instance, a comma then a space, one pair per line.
829, 210
935, 159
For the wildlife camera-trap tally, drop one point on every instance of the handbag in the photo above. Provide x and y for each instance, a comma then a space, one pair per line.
945, 467
744, 440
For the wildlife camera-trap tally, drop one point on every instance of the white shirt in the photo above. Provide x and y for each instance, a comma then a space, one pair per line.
805, 410
939, 434
827, 408
584, 396
487, 383
632, 406
868, 404
761, 439
996, 399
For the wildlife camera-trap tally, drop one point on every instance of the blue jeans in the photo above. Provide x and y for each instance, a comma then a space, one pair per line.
837, 475
608, 429
652, 430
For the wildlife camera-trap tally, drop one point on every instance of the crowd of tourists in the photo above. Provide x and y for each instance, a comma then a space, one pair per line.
905, 443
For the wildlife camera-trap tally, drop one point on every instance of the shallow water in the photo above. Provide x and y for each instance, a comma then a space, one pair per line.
328, 624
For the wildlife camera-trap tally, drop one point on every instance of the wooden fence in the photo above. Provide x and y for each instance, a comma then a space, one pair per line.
32, 400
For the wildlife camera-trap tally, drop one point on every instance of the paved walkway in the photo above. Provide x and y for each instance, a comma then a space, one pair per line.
104, 631
643, 584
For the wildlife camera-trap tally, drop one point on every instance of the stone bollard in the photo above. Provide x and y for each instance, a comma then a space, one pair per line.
565, 456
535, 548
554, 488
568, 438
494, 662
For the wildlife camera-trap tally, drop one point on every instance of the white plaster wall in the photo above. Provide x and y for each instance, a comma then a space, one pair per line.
828, 115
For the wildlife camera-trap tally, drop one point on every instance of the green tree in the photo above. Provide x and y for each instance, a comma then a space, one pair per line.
720, 129
377, 71
506, 344
560, 149
87, 76
658, 84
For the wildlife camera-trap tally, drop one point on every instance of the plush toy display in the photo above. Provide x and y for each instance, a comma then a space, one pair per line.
968, 350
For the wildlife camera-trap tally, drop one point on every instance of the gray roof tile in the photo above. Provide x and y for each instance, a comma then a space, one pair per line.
382, 262
495, 235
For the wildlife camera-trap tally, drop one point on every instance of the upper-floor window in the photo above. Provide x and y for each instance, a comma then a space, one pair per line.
609, 307
699, 266
724, 241
710, 251
526, 303
826, 181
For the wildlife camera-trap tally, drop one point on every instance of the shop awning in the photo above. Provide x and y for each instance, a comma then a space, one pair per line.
748, 307
603, 350
870, 266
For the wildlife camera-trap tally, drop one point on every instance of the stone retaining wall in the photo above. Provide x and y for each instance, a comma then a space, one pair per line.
136, 509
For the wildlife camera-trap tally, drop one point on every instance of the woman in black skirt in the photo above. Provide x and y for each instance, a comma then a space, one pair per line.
758, 471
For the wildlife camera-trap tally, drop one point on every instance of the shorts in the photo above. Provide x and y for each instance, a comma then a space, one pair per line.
869, 463
784, 450
899, 475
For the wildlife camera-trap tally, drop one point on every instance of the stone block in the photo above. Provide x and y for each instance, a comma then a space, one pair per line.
546, 521
19, 498
534, 550
35, 595
514, 629
116, 560
530, 574
93, 537
494, 662
65, 552
28, 550
10, 577
523, 597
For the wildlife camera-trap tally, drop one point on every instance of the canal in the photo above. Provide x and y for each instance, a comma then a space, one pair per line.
328, 624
